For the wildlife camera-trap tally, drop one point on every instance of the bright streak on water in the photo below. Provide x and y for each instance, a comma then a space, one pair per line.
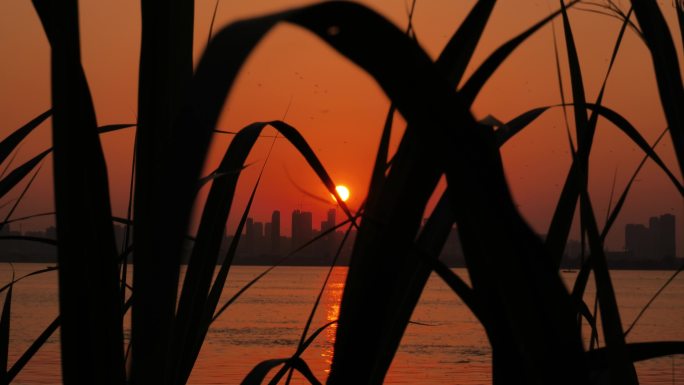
267, 323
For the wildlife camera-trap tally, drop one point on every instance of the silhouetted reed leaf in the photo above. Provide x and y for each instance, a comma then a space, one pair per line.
300, 350
278, 263
168, 160
5, 333
10, 142
667, 70
47, 241
88, 273
113, 127
452, 62
638, 351
461, 288
257, 375
18, 174
561, 221
381, 157
517, 124
197, 303
18, 200
477, 80
32, 350
37, 272
680, 18
578, 96
650, 301
621, 369
456, 55
623, 197
628, 129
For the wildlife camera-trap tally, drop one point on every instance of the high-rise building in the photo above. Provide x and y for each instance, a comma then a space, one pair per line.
302, 227
275, 232
249, 236
331, 218
666, 236
657, 241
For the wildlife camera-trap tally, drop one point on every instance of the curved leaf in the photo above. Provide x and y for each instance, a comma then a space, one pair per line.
477, 80
257, 375
5, 333
639, 351
667, 71
10, 142
18, 174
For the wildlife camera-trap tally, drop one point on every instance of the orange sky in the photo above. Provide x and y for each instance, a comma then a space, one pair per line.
340, 110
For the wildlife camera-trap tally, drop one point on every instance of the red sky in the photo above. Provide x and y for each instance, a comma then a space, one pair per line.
340, 110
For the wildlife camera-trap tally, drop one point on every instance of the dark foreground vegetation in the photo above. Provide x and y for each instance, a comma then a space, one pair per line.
531, 320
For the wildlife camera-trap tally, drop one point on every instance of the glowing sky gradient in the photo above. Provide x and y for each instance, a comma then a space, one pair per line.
340, 110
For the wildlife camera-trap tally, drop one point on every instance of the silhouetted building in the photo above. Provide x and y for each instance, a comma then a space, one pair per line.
302, 227
655, 242
275, 232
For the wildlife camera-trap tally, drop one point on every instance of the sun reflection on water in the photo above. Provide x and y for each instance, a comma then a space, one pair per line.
333, 297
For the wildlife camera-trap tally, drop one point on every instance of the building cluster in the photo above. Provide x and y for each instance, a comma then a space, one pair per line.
265, 243
655, 242
651, 246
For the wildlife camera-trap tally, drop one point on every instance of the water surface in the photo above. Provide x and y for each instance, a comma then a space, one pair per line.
446, 345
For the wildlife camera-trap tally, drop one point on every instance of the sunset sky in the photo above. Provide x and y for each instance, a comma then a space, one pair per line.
340, 110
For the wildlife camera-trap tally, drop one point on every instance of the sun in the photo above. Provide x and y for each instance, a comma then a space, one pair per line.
343, 192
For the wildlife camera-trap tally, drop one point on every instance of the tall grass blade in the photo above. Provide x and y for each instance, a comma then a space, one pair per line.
419, 93
114, 127
278, 376
579, 171
257, 375
650, 301
628, 129
623, 197
195, 307
18, 200
621, 370
28, 238
462, 289
92, 333
561, 89
19, 173
40, 341
309, 320
565, 209
517, 124
667, 70
38, 215
278, 263
37, 272
5, 334
33, 349
168, 160
639, 351
452, 62
12, 141
680, 18
477, 80
456, 55
381, 157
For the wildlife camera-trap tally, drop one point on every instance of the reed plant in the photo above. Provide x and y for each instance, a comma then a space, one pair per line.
533, 322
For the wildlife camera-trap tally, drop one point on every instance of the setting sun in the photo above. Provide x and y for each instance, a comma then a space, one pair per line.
343, 191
